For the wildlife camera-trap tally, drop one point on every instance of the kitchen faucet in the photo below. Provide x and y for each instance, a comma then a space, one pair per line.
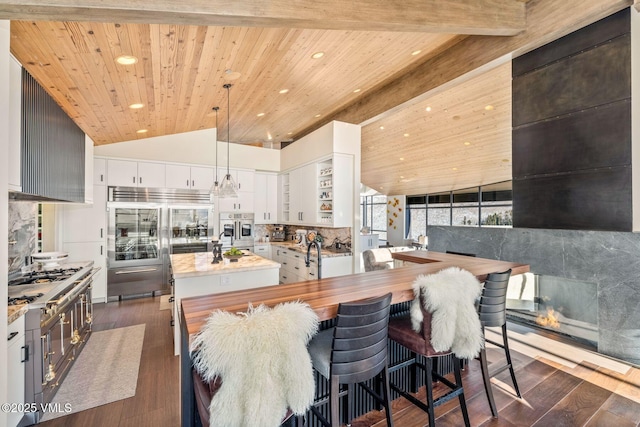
307, 260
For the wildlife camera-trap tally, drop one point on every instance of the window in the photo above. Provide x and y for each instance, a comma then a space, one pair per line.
486, 206
374, 214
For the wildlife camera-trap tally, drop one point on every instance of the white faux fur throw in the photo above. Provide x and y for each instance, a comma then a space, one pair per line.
450, 295
262, 359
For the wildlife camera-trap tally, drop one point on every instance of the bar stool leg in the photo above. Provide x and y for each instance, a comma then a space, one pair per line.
507, 354
487, 382
463, 404
428, 383
385, 380
334, 402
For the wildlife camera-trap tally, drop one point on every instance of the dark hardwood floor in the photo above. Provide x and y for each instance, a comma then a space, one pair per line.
567, 390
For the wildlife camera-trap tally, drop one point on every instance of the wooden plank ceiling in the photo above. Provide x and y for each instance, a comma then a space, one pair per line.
382, 62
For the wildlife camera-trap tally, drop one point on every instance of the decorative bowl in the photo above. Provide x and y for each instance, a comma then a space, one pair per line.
233, 258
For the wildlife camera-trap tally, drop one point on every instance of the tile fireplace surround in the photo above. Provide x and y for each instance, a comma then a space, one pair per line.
608, 260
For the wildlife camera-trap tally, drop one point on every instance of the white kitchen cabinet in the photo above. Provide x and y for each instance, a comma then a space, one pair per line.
244, 202
16, 358
189, 177
99, 171
266, 198
302, 195
15, 111
263, 250
128, 173
96, 252
88, 169
244, 180
368, 241
85, 223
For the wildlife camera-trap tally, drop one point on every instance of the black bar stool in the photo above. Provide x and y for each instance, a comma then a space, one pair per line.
492, 312
352, 352
450, 294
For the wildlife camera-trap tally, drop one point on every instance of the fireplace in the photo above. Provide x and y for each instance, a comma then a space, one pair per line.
559, 305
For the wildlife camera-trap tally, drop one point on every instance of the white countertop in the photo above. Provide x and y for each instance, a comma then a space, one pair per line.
199, 264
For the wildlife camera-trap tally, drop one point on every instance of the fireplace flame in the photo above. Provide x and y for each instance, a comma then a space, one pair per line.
551, 320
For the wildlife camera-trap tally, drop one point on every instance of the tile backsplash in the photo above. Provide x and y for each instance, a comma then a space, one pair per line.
22, 232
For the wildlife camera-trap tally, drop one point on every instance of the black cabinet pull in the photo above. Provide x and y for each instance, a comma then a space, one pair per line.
12, 335
26, 354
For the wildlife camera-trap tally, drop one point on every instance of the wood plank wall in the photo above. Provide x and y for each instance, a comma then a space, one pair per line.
572, 130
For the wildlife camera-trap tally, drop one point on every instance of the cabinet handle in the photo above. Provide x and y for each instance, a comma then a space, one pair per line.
297, 268
101, 177
26, 354
140, 180
101, 231
134, 179
12, 335
100, 249
193, 183
239, 186
187, 183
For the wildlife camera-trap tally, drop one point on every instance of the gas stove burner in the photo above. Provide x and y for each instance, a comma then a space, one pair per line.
44, 276
24, 299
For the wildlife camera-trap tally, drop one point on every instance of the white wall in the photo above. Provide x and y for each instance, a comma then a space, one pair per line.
195, 147
4, 206
395, 232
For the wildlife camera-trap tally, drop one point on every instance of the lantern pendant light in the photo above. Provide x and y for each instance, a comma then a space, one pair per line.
228, 185
215, 188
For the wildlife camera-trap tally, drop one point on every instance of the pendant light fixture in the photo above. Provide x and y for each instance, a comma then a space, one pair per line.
228, 185
215, 188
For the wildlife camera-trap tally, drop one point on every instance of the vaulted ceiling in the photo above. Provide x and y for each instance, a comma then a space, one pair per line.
429, 80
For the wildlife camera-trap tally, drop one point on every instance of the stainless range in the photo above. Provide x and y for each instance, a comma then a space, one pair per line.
57, 324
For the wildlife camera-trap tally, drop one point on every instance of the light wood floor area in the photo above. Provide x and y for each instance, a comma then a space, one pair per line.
561, 384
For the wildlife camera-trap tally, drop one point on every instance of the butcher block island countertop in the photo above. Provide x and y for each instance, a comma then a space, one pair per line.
323, 296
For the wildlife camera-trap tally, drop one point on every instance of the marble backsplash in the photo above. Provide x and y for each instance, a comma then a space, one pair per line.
611, 260
22, 232
329, 234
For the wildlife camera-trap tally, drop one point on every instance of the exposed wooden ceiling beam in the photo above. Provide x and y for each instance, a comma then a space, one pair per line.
547, 20
480, 17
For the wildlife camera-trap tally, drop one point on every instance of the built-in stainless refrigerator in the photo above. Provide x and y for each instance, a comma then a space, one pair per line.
140, 236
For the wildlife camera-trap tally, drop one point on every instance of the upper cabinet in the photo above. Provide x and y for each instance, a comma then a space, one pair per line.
302, 195
266, 198
99, 171
244, 202
189, 177
127, 173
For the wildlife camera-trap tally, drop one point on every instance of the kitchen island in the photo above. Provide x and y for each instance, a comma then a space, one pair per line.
194, 274
323, 296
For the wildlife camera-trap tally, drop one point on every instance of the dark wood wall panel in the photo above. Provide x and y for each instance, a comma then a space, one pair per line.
596, 138
592, 200
586, 80
572, 131
602, 31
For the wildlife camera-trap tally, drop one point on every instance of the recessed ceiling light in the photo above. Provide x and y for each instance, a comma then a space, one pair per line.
317, 115
231, 75
428, 109
260, 114
489, 107
454, 169
381, 127
356, 91
467, 143
284, 91
142, 131
136, 106
406, 134
401, 176
317, 55
126, 60
415, 52
401, 158
289, 133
